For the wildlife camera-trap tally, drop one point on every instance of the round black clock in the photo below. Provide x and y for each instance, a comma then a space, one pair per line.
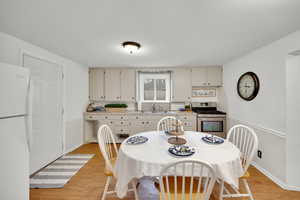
248, 86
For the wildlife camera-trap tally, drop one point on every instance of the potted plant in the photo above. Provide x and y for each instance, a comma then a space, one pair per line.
115, 107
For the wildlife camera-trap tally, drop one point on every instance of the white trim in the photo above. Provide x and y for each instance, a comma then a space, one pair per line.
259, 127
269, 175
276, 180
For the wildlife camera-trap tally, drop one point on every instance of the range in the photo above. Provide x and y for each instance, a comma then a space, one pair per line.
209, 119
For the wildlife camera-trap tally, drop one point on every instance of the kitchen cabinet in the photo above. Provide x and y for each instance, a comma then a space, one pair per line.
128, 86
96, 84
182, 88
214, 76
112, 85
207, 76
124, 125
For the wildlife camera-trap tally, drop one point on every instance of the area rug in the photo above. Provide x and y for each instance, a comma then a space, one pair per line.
58, 173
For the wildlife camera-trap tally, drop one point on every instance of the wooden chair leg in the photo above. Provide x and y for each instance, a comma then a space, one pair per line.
248, 189
106, 187
134, 183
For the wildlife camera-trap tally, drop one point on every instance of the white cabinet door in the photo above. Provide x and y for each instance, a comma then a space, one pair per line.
112, 85
96, 80
128, 85
214, 76
182, 87
199, 76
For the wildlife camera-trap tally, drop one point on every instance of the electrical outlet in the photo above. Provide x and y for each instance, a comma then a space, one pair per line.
259, 154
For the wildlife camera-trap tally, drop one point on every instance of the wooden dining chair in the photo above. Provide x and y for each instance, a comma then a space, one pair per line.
169, 123
245, 139
187, 180
109, 151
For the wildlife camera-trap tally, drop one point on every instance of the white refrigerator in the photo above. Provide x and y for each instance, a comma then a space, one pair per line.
15, 132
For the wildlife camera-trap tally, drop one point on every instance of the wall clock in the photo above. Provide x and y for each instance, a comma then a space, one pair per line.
248, 86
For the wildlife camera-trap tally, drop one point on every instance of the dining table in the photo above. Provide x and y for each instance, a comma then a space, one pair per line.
148, 159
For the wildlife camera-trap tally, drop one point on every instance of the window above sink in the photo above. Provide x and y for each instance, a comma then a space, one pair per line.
154, 87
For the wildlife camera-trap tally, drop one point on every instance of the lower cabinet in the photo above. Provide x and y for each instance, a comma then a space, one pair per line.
125, 125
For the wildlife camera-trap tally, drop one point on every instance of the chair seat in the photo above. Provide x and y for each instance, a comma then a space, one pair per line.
107, 171
185, 193
246, 175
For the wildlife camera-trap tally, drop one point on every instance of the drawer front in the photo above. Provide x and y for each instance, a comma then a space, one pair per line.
186, 117
121, 130
135, 117
116, 117
94, 117
121, 123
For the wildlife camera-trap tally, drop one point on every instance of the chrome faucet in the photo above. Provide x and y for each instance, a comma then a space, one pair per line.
153, 108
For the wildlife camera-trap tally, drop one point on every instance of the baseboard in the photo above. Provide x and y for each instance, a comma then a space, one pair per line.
73, 148
276, 180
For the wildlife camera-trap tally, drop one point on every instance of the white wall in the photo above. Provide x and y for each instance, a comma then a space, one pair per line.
76, 83
267, 112
293, 120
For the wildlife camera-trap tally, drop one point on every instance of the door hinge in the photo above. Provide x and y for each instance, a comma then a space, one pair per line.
62, 75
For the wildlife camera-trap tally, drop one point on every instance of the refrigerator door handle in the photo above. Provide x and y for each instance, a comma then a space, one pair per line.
29, 103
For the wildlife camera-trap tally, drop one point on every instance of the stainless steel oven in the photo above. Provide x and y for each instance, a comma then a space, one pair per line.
212, 125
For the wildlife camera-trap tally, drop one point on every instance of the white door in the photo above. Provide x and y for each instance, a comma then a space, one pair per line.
214, 76
47, 112
182, 88
199, 76
96, 80
128, 85
112, 85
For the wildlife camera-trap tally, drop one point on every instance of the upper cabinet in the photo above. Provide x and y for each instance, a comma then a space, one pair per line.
182, 88
214, 76
199, 76
112, 85
207, 76
96, 84
128, 86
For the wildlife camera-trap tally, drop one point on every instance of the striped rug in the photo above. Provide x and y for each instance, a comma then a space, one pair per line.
58, 173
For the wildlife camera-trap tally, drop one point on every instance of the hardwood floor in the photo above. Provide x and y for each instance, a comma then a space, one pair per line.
89, 182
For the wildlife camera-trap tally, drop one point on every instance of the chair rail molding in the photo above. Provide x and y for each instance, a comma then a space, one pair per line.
259, 127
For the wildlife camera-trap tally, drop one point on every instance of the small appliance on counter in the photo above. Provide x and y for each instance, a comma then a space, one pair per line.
209, 119
94, 108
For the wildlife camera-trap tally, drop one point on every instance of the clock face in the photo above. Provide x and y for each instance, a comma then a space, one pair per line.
248, 86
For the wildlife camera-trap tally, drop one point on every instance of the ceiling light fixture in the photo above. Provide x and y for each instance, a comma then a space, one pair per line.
131, 47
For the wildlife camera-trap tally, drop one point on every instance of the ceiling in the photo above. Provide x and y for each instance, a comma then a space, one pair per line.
171, 32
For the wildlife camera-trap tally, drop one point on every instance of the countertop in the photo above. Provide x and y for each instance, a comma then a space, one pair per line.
141, 113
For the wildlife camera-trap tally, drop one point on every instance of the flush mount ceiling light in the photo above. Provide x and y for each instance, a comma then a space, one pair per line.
131, 47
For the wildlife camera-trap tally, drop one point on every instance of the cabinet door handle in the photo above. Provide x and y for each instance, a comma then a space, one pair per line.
208, 83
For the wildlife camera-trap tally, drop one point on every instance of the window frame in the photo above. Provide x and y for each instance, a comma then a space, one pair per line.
163, 75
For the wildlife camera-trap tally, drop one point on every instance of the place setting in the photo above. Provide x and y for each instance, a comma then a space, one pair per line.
212, 139
135, 140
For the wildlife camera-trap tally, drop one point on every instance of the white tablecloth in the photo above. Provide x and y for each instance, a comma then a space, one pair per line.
148, 159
